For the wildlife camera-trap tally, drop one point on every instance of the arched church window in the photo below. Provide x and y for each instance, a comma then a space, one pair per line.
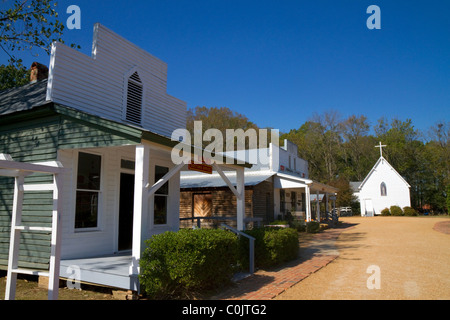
383, 189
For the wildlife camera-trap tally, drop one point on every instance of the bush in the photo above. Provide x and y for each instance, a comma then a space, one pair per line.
385, 212
312, 227
176, 264
408, 211
299, 225
396, 211
272, 246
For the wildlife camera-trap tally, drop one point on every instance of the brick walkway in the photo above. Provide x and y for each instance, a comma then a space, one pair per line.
267, 284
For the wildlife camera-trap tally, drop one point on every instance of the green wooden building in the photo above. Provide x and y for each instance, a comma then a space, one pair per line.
111, 130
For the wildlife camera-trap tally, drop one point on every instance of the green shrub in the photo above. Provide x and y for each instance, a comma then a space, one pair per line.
279, 222
312, 227
385, 212
272, 246
299, 225
408, 211
176, 264
396, 211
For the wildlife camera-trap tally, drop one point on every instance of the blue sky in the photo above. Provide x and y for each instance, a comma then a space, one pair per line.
279, 62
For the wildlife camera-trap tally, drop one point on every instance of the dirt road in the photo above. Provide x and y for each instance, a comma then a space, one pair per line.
405, 256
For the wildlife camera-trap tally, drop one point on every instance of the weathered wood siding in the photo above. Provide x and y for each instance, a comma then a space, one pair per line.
96, 84
223, 205
263, 201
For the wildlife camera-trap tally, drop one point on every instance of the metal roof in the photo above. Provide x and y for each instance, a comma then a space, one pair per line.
190, 180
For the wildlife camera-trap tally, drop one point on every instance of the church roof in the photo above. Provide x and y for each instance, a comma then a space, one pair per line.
380, 161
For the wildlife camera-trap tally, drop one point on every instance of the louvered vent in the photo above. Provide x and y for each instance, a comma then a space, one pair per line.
134, 99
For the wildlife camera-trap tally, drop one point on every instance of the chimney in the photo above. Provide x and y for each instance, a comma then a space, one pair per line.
38, 72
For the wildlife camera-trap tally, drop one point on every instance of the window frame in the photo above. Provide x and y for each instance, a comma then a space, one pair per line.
99, 194
158, 194
383, 187
127, 79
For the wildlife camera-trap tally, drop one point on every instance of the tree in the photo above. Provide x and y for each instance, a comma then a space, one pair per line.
12, 76
27, 25
358, 154
221, 119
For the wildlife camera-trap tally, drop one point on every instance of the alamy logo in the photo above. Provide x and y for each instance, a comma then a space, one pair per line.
73, 281
374, 21
240, 146
74, 20
374, 280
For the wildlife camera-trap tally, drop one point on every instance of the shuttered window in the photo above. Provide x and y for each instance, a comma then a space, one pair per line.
134, 99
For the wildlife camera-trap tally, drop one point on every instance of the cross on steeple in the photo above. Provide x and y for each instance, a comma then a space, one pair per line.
381, 149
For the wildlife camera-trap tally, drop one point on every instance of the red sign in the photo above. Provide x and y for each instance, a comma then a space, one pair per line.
201, 167
205, 168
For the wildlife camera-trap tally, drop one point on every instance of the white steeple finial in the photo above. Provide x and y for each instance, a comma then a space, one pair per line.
381, 149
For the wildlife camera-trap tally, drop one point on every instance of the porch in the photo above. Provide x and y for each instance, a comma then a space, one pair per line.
108, 270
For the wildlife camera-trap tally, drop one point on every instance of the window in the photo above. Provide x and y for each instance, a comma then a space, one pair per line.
161, 195
202, 205
383, 189
88, 190
135, 91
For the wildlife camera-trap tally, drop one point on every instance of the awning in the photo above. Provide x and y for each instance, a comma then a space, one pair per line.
322, 188
191, 180
286, 181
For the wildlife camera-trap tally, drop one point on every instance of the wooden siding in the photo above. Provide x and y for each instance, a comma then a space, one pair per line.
263, 201
223, 205
35, 140
97, 84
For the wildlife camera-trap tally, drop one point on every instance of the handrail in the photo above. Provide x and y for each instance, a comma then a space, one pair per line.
248, 219
251, 245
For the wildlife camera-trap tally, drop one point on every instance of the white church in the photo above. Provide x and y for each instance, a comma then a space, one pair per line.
382, 188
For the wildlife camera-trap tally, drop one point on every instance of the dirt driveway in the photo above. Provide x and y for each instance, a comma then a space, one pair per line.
405, 256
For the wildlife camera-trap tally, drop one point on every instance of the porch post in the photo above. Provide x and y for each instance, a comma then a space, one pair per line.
308, 204
140, 203
240, 188
318, 207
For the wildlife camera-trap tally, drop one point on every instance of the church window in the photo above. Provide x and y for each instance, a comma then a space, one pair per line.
383, 189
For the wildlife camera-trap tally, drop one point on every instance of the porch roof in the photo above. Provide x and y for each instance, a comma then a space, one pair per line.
191, 180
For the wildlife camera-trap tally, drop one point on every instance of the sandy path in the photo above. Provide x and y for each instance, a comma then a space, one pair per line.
413, 261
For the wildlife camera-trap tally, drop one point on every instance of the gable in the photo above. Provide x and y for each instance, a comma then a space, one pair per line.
382, 172
98, 84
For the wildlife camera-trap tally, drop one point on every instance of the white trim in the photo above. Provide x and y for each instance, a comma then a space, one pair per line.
381, 159
228, 182
100, 192
54, 168
141, 205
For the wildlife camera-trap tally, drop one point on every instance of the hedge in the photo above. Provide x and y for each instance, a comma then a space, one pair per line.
396, 211
273, 246
408, 211
177, 264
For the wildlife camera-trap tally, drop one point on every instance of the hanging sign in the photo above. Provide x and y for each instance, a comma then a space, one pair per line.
203, 167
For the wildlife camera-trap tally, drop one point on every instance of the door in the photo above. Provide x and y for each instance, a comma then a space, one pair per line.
126, 202
369, 208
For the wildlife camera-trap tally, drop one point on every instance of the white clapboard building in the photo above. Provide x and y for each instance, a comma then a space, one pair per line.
382, 188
